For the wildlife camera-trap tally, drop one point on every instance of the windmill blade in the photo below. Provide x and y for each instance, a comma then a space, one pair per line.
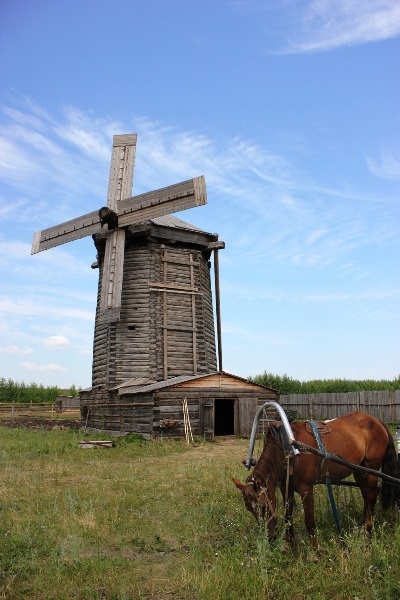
120, 187
66, 232
111, 287
164, 201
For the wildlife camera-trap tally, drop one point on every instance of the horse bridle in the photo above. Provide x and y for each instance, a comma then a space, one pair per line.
263, 490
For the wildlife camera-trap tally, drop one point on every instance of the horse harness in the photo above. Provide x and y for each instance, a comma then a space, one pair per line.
318, 429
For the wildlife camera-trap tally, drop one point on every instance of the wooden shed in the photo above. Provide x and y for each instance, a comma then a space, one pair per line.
219, 404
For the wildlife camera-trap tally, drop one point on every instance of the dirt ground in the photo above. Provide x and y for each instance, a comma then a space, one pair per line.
41, 423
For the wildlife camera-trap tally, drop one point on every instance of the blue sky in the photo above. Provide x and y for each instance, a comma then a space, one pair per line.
291, 110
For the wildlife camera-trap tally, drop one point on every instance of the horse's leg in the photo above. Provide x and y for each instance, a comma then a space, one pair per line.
307, 497
288, 499
369, 490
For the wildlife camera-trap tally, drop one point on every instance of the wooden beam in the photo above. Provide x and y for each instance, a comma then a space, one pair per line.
164, 321
173, 287
164, 201
113, 271
216, 245
67, 232
218, 308
121, 169
194, 335
120, 187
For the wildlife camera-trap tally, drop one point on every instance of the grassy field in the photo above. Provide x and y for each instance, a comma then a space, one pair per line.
163, 520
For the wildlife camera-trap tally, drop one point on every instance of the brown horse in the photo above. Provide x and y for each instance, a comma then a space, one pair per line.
357, 437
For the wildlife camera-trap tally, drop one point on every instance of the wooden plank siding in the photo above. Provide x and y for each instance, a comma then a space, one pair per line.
225, 380
384, 405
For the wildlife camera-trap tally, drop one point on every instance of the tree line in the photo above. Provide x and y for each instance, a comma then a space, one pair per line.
32, 393
287, 385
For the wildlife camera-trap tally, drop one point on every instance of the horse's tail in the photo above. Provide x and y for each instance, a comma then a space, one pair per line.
390, 495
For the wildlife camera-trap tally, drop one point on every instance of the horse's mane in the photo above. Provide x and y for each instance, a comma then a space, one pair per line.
271, 462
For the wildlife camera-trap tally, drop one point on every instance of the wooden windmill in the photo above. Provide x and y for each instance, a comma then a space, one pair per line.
154, 317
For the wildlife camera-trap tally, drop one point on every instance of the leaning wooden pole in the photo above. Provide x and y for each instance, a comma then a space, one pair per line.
215, 246
186, 420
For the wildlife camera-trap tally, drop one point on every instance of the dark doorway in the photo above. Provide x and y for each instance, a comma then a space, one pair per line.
224, 419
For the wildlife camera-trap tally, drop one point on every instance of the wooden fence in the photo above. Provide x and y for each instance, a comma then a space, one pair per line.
19, 411
384, 405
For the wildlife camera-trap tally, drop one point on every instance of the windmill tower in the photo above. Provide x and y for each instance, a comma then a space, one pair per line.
154, 316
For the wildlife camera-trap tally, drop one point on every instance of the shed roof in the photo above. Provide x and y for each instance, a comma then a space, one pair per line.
134, 386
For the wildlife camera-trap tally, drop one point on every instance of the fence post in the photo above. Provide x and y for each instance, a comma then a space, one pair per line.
310, 406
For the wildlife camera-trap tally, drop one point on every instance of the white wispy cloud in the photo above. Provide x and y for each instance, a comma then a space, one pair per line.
16, 258
33, 308
47, 368
260, 294
90, 136
12, 349
56, 341
328, 24
387, 167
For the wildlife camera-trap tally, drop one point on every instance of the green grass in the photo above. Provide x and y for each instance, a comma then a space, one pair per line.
163, 520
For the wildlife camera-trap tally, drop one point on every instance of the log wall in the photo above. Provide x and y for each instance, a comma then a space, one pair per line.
166, 325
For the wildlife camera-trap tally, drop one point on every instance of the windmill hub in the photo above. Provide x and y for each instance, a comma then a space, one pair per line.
109, 217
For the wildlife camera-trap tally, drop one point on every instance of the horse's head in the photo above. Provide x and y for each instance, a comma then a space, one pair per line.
260, 500
259, 491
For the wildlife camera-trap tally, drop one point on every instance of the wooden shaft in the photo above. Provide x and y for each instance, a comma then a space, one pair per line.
218, 308
342, 461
